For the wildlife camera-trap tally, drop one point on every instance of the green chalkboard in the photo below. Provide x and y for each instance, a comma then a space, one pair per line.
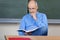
50, 7
13, 8
18, 8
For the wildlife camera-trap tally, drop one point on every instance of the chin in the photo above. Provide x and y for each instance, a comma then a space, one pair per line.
32, 12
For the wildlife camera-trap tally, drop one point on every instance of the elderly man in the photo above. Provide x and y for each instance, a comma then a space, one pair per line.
33, 23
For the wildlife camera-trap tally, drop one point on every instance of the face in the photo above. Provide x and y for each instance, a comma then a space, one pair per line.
32, 7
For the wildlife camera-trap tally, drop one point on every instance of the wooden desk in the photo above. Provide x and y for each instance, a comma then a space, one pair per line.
35, 37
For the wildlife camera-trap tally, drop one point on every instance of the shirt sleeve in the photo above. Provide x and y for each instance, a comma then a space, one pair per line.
22, 27
43, 22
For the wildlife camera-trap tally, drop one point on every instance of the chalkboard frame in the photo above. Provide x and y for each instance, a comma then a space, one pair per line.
13, 21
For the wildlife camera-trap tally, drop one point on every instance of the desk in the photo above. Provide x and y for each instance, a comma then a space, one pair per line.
35, 37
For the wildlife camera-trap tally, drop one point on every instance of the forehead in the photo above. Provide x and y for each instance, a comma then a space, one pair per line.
32, 6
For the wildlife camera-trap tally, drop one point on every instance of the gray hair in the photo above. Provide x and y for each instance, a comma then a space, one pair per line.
36, 3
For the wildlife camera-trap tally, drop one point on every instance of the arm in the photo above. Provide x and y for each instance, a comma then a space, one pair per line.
43, 21
22, 27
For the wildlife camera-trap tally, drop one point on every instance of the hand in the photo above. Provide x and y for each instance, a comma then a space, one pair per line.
34, 16
28, 33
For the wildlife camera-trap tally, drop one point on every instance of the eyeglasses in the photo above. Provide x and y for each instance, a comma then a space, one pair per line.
31, 8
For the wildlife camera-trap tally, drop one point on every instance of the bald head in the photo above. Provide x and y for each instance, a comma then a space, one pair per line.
32, 5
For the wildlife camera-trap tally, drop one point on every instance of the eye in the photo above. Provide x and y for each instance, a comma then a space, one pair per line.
31, 8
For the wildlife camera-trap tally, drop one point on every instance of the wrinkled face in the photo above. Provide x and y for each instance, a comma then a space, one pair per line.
32, 7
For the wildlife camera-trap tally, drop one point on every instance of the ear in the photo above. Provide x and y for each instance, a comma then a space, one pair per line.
37, 7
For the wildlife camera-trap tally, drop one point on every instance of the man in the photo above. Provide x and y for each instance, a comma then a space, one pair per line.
34, 23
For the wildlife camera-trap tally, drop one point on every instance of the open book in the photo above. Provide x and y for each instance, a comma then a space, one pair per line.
29, 29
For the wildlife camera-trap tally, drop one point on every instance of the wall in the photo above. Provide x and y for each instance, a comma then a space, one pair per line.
11, 29
8, 29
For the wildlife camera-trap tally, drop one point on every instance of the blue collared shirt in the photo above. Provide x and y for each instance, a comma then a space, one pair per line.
29, 24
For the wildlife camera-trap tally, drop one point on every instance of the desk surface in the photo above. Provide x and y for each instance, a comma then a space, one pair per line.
35, 37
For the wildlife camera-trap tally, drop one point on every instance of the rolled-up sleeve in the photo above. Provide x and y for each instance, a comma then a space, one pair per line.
43, 22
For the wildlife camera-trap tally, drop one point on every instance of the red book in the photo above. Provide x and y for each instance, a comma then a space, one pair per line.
19, 38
